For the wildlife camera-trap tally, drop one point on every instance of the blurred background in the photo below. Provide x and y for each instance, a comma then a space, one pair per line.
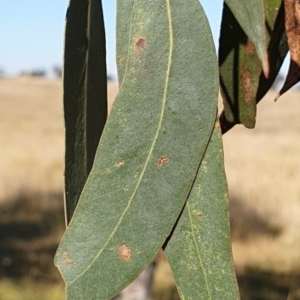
262, 166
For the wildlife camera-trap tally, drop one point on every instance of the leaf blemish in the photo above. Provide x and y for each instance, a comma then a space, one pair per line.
247, 83
140, 43
217, 125
120, 163
67, 259
125, 252
250, 47
120, 60
162, 160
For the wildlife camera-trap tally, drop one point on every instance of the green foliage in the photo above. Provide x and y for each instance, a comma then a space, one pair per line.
242, 78
28, 290
250, 16
158, 139
85, 94
199, 249
157, 178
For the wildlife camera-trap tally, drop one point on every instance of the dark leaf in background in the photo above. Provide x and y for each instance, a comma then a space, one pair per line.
85, 94
243, 82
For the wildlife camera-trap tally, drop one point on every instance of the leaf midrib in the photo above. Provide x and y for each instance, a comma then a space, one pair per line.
197, 250
171, 41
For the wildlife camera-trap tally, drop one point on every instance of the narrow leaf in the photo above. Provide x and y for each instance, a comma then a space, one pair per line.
278, 45
237, 71
85, 94
292, 19
250, 15
149, 151
199, 251
243, 83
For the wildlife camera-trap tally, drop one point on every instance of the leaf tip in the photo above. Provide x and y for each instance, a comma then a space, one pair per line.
266, 65
277, 96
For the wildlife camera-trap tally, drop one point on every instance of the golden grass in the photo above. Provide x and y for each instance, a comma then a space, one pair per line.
263, 171
262, 165
27, 290
31, 135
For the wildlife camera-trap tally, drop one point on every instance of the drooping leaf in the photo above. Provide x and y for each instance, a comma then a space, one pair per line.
292, 27
277, 47
251, 17
85, 94
243, 83
237, 71
149, 151
199, 250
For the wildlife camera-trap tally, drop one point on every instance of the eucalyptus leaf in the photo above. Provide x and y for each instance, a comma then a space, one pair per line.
251, 17
85, 94
243, 83
199, 250
149, 152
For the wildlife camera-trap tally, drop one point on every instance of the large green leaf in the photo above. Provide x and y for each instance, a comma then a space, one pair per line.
149, 152
85, 94
243, 83
199, 250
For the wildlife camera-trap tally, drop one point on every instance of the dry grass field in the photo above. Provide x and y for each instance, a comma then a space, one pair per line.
262, 165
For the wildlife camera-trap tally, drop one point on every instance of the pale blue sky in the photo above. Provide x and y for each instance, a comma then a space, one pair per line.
31, 32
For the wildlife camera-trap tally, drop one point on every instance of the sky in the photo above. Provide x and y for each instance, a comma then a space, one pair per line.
31, 33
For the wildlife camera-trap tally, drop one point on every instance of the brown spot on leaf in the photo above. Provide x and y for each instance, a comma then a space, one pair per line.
120, 60
250, 47
67, 259
247, 84
162, 160
120, 163
140, 44
199, 214
125, 252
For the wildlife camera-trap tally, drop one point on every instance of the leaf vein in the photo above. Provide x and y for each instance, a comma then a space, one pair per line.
197, 251
152, 146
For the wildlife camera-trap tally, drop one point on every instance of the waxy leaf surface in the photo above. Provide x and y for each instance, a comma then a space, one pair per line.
149, 152
199, 250
85, 94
